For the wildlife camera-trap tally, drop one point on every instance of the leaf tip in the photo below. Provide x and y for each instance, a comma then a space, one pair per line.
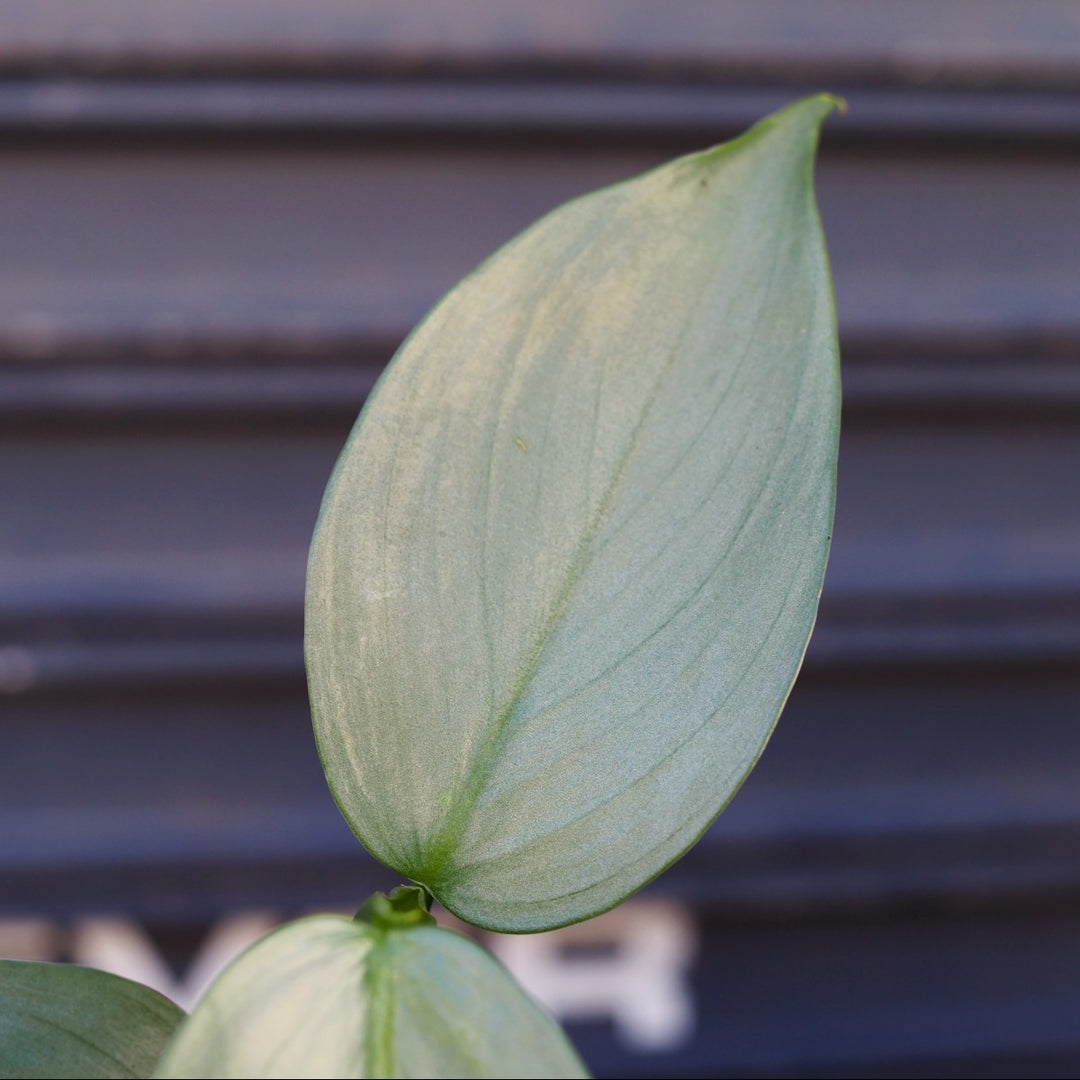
816, 109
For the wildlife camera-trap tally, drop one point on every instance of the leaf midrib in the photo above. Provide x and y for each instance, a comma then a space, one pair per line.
439, 853
580, 566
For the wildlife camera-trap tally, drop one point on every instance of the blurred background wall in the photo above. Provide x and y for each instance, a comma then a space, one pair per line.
217, 220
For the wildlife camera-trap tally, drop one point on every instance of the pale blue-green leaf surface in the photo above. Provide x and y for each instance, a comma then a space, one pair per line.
59, 1020
329, 996
568, 563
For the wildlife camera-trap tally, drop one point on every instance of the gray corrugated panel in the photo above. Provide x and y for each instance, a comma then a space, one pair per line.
935, 993
218, 220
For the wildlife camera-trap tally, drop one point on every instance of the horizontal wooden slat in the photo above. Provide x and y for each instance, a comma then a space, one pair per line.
917, 41
874, 791
312, 379
187, 244
189, 528
910, 632
45, 394
513, 110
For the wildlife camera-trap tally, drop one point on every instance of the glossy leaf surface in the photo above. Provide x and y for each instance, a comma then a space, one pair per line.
569, 561
331, 996
59, 1020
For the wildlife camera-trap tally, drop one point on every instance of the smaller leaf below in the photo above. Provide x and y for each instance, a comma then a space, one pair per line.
329, 996
59, 1020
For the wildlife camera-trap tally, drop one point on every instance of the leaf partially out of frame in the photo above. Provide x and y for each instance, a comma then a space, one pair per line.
330, 996
59, 1020
570, 558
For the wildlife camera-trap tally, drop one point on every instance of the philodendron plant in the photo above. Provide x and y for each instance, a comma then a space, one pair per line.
563, 579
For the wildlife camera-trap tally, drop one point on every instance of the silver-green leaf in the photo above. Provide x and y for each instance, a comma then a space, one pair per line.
569, 561
331, 996
59, 1020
